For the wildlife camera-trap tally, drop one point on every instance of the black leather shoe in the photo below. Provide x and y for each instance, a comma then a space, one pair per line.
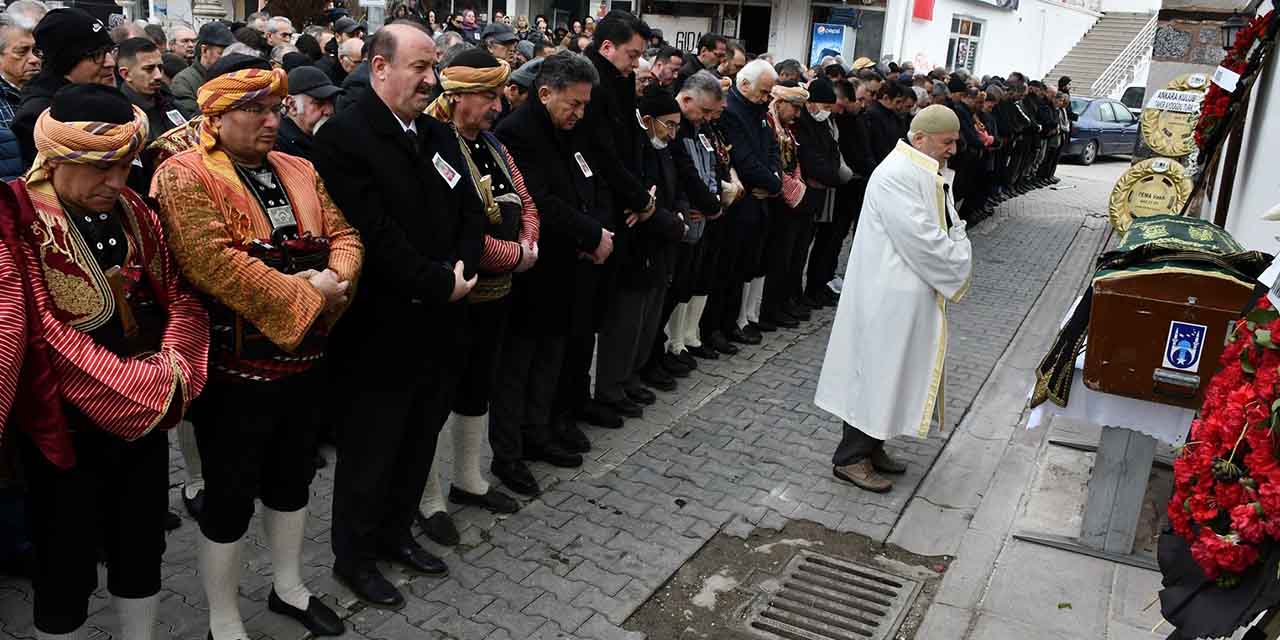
624, 407
658, 379
829, 297
736, 335
439, 528
673, 366
687, 359
782, 320
599, 415
195, 506
811, 302
413, 557
171, 521
753, 333
572, 439
319, 619
795, 310
552, 454
765, 326
491, 500
706, 352
371, 587
718, 342
643, 396
516, 476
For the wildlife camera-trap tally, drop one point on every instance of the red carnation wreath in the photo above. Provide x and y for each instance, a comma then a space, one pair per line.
1226, 499
1216, 100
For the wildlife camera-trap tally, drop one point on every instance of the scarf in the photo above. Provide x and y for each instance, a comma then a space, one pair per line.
458, 79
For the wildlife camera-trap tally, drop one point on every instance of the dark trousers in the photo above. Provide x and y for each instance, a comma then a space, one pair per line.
722, 277
488, 327
688, 260
114, 499
385, 449
855, 446
630, 323
257, 440
1052, 156
787, 230
828, 240
800, 257
524, 394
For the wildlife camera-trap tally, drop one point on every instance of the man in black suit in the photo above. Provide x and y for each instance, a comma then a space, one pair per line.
400, 178
884, 126
563, 175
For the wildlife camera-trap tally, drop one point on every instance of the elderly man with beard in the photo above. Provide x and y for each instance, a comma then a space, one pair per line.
309, 105
115, 349
256, 232
400, 177
471, 104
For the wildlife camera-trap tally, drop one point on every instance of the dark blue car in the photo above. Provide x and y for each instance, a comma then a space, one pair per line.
1102, 127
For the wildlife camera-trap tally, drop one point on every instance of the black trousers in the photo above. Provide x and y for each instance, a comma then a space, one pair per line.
257, 440
828, 237
385, 449
855, 446
722, 276
488, 328
787, 230
688, 260
630, 324
1052, 156
115, 499
525, 394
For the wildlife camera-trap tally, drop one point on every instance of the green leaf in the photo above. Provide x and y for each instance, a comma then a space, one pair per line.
1244, 362
1263, 338
1262, 316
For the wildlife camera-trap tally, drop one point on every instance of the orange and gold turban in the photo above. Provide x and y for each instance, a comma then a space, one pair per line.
460, 79
234, 90
96, 143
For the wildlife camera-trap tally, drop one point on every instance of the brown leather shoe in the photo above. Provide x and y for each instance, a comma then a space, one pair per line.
884, 464
863, 476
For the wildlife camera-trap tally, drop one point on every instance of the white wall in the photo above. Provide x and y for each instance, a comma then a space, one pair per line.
1131, 6
1256, 190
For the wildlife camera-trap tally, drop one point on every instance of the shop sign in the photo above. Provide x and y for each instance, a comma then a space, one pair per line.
828, 40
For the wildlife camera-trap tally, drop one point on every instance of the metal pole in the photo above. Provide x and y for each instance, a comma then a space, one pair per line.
737, 24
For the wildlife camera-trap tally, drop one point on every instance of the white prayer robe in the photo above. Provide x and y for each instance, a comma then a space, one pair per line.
884, 364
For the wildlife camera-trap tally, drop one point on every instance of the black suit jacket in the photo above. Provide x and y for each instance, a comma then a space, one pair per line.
414, 226
819, 155
884, 130
573, 207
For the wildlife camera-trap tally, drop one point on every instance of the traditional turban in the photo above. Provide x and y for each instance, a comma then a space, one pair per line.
794, 95
460, 78
234, 90
95, 143
936, 119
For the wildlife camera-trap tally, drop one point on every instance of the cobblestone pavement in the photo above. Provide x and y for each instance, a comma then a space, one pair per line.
739, 446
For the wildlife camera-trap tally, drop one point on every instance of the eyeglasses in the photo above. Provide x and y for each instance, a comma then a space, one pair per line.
258, 109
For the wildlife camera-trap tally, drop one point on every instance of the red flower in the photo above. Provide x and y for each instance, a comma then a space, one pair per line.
1230, 495
1203, 552
1203, 508
1246, 519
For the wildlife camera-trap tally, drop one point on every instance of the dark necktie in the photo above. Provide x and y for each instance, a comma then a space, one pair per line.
413, 141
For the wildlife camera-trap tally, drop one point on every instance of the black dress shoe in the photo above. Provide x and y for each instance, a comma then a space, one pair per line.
572, 439
831, 298
782, 320
706, 352
753, 333
491, 500
672, 365
765, 326
516, 476
657, 378
553, 454
318, 618
413, 557
687, 359
737, 335
796, 311
641, 395
171, 521
371, 587
599, 415
624, 407
195, 506
718, 342
810, 302
439, 528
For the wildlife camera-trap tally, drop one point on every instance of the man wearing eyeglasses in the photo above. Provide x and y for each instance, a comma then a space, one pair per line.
350, 55
279, 31
255, 231
73, 46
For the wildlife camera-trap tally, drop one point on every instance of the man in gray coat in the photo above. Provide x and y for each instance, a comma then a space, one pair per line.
213, 38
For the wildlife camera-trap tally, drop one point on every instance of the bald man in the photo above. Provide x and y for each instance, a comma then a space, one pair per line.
883, 368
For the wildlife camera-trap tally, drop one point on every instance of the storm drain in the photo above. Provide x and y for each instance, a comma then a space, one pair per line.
825, 598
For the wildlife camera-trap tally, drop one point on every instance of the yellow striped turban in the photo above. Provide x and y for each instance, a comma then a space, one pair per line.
234, 90
96, 143
462, 79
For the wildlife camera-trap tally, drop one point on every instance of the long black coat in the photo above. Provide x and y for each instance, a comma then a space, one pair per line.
414, 226
700, 196
643, 263
573, 208
754, 153
819, 161
884, 130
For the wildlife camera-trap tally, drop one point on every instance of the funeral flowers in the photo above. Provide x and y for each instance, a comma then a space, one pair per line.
1226, 499
1217, 102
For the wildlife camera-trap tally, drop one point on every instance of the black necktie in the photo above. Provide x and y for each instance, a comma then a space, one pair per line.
413, 141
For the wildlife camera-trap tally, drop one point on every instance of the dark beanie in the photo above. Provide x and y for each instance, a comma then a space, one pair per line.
90, 103
236, 62
64, 37
821, 91
475, 58
308, 45
657, 102
295, 59
957, 85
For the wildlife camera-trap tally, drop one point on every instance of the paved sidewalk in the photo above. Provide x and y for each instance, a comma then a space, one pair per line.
740, 446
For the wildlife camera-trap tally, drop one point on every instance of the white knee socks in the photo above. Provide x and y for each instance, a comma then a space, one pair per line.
692, 318
470, 437
190, 458
284, 537
756, 297
744, 308
220, 573
675, 328
137, 617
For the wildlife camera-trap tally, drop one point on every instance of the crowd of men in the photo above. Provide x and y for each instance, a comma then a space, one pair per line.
264, 239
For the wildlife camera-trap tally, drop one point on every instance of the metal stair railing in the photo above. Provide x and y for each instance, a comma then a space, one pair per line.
1120, 68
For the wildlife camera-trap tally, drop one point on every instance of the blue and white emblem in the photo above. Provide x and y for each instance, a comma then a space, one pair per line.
1182, 349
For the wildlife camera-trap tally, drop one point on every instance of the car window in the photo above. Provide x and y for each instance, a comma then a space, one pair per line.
1133, 97
1123, 114
1078, 105
1105, 113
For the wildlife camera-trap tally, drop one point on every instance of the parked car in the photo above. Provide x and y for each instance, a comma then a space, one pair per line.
1102, 127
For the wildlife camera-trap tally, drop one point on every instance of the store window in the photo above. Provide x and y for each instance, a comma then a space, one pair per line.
962, 48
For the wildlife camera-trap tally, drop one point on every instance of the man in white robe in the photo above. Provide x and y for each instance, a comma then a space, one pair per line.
883, 369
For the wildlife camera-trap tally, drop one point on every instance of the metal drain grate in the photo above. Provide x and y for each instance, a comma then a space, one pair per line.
825, 598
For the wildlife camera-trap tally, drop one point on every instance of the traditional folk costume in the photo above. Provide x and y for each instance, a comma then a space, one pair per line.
239, 233
787, 227
111, 349
511, 223
712, 159
883, 369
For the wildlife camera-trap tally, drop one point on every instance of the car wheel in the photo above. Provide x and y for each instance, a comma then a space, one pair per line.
1089, 153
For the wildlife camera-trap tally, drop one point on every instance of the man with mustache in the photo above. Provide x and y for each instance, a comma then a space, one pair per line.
471, 104
255, 231
400, 177
309, 105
